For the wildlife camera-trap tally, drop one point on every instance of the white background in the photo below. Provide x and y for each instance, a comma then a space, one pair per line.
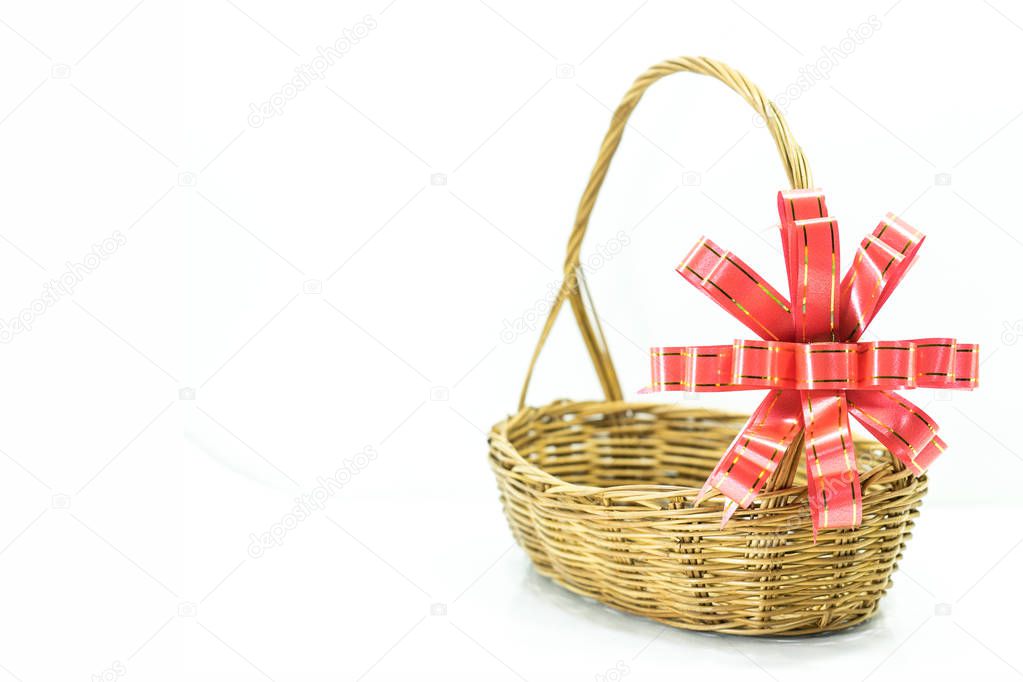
336, 280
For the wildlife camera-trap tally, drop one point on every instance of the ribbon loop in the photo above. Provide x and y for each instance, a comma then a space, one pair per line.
738, 289
833, 484
755, 452
888, 364
944, 363
830, 366
899, 425
811, 249
881, 262
692, 368
801, 204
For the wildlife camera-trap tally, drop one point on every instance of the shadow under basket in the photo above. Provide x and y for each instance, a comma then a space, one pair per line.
600, 494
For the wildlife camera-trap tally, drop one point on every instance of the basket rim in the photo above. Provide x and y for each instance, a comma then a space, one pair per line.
500, 430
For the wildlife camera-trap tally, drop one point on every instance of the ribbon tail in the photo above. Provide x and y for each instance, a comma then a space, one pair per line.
899, 425
755, 452
833, 483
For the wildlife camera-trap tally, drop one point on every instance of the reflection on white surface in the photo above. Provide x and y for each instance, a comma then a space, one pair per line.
948, 617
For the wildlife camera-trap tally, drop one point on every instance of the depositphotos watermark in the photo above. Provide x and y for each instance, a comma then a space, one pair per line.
61, 287
311, 502
1012, 332
115, 671
534, 316
307, 74
820, 70
615, 673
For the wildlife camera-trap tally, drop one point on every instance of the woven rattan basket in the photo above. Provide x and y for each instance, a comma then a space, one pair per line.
600, 494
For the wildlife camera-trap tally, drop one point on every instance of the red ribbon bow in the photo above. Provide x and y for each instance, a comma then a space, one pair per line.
809, 359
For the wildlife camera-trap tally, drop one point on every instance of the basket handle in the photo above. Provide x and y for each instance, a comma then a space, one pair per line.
573, 287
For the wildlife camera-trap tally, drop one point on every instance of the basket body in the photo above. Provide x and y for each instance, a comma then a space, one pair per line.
600, 494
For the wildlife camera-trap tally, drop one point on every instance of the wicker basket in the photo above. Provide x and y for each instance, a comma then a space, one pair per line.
600, 494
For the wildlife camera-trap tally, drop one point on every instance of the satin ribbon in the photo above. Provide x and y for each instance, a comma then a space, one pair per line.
810, 359
746, 365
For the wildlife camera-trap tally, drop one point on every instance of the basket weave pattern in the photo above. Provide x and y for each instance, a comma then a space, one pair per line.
601, 494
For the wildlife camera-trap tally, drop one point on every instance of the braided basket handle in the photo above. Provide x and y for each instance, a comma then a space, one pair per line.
573, 287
